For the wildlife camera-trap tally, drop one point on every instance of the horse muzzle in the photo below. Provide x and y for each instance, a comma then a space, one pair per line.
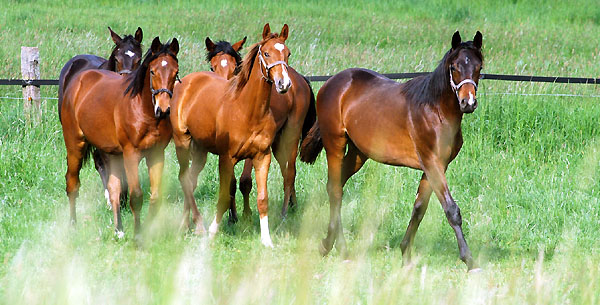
160, 114
283, 85
468, 105
124, 71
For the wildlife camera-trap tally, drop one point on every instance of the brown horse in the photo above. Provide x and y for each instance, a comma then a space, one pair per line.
364, 115
124, 58
294, 114
126, 118
232, 119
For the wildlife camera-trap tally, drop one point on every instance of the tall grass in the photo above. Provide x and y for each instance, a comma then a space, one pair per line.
526, 179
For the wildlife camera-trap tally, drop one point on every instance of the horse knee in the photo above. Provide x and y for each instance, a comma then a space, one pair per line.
245, 185
72, 184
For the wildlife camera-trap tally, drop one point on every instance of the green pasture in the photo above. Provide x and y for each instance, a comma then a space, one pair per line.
526, 180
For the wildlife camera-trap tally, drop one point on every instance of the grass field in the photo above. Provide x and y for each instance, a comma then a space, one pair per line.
527, 178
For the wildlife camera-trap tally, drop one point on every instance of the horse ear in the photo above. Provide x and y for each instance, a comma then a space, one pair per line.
210, 46
156, 45
174, 46
478, 40
238, 45
284, 32
456, 40
139, 35
266, 31
116, 38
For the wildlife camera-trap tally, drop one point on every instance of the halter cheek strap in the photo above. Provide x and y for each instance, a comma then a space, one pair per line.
455, 87
157, 91
268, 67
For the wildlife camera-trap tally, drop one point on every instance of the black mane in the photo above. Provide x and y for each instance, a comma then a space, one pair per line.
428, 89
225, 47
111, 64
136, 79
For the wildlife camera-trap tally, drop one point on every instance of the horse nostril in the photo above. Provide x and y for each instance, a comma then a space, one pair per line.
168, 111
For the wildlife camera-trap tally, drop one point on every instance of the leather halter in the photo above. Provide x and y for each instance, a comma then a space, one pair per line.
456, 87
268, 67
157, 91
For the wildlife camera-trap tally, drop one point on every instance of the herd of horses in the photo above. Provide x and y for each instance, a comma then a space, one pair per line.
128, 107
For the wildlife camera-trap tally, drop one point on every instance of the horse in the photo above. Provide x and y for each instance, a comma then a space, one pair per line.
231, 119
127, 119
363, 115
294, 114
124, 58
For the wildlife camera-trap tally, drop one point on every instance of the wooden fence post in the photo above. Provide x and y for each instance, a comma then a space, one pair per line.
30, 69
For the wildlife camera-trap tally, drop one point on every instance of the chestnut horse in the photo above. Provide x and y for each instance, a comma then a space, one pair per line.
125, 118
124, 58
232, 119
364, 115
294, 114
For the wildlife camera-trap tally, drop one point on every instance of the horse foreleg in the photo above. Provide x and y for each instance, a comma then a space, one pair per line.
435, 173
155, 162
74, 161
246, 187
131, 160
261, 164
233, 217
225, 174
113, 186
419, 209
101, 165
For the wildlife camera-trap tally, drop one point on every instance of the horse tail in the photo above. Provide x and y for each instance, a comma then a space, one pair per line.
312, 144
87, 152
311, 115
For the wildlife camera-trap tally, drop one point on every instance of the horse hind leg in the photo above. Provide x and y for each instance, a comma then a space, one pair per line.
420, 207
246, 187
74, 161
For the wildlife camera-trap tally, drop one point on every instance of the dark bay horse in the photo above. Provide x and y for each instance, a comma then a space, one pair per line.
124, 58
294, 114
364, 115
232, 119
127, 119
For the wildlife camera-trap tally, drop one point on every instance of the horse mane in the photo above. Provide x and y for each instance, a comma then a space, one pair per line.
111, 64
225, 47
428, 89
241, 78
136, 79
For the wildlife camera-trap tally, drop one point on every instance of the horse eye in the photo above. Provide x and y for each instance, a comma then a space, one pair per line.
267, 54
452, 68
151, 72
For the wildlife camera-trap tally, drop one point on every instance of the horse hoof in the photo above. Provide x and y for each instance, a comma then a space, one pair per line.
475, 271
119, 234
267, 242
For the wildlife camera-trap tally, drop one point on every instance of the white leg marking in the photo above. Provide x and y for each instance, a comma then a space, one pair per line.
107, 196
120, 234
163, 63
265, 237
129, 53
214, 227
223, 63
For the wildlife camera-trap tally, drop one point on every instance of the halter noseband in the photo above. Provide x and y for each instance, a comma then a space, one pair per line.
157, 91
455, 87
268, 67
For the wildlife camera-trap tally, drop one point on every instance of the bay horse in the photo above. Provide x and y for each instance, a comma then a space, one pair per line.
124, 58
294, 114
231, 119
364, 115
125, 118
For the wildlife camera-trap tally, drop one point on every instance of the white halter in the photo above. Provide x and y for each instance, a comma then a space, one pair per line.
268, 67
455, 87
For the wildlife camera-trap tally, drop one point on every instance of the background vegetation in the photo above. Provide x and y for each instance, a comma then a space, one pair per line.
526, 179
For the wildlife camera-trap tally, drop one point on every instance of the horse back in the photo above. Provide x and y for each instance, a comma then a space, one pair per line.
195, 105
370, 110
91, 106
75, 65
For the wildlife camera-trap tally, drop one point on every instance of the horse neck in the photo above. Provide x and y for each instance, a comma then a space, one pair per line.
145, 106
448, 104
255, 97
109, 64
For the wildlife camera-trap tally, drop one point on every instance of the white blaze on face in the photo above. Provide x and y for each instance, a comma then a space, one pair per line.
471, 100
223, 63
163, 63
286, 78
129, 53
279, 46
265, 237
